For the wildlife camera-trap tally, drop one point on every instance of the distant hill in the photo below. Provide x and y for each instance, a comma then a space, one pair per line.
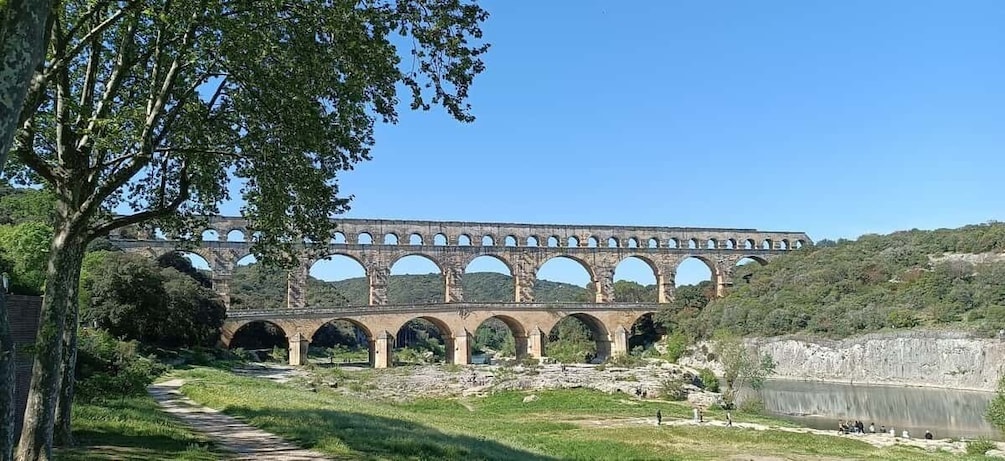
255, 286
834, 289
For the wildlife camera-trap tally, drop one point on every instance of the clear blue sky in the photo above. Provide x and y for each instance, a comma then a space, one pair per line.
833, 118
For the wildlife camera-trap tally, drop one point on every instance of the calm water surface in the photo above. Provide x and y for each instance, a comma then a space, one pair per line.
945, 412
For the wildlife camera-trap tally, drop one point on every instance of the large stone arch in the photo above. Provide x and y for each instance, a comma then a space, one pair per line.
598, 329
231, 329
355, 322
456, 342
515, 325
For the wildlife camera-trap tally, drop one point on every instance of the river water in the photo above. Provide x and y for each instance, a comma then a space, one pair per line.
945, 412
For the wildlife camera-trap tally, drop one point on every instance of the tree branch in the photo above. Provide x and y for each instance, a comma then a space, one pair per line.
122, 62
25, 152
68, 57
114, 223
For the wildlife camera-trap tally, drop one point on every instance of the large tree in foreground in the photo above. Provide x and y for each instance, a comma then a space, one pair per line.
151, 106
23, 26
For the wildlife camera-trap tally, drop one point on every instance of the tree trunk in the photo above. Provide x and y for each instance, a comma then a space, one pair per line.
7, 403
22, 46
65, 258
64, 403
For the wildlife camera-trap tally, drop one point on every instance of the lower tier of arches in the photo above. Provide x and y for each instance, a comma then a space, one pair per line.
610, 332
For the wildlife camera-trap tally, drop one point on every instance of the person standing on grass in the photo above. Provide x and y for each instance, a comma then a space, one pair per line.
729, 420
659, 417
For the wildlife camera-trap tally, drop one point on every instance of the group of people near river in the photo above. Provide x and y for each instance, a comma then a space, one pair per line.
858, 427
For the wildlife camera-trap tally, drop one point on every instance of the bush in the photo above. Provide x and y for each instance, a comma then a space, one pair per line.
752, 405
902, 318
278, 354
676, 344
980, 446
708, 380
625, 360
107, 367
672, 389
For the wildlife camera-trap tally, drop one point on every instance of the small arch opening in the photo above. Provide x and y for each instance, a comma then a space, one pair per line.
364, 238
390, 239
552, 242
532, 241
572, 242
210, 235
439, 240
415, 239
592, 242
612, 242
338, 238
509, 241
464, 240
488, 241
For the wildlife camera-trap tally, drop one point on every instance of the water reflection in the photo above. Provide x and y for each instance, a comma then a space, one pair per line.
945, 412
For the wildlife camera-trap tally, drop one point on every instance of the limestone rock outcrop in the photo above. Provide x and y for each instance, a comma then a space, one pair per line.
950, 359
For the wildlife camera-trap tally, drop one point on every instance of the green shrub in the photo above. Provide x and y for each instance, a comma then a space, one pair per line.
980, 446
902, 318
676, 345
752, 405
107, 367
708, 380
278, 354
625, 360
672, 389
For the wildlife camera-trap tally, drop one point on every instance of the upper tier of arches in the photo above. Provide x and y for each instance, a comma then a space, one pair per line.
437, 233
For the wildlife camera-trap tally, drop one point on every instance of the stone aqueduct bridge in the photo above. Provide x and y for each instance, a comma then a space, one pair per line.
377, 244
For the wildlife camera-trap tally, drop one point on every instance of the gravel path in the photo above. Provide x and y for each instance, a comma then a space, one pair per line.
227, 432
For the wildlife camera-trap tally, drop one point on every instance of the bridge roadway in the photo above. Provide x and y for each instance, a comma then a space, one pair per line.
530, 323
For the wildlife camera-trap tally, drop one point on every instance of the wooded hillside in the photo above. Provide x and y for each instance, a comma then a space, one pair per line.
901, 280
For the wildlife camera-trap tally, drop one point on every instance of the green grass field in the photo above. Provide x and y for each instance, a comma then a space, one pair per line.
562, 424
132, 429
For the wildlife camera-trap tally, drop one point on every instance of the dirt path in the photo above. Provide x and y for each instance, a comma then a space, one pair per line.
227, 432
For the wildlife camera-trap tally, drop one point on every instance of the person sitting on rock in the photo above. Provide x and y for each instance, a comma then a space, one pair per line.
928, 435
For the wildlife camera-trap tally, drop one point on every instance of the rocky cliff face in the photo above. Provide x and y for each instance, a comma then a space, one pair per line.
917, 358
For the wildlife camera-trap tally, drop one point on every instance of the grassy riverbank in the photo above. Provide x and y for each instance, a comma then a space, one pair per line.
132, 428
564, 424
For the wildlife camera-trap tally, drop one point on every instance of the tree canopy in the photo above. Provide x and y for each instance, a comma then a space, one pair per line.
152, 110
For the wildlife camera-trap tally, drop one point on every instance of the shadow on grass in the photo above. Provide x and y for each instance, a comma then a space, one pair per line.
132, 428
376, 437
